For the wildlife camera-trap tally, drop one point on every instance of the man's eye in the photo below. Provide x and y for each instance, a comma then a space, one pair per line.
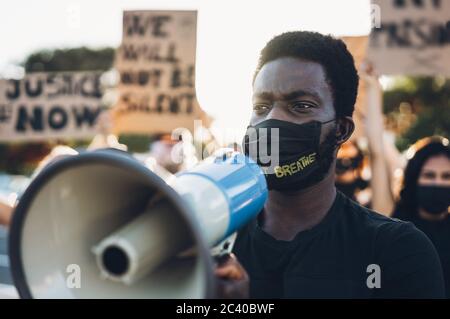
298, 106
261, 107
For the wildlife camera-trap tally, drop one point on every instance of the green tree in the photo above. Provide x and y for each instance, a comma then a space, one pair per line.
74, 59
427, 100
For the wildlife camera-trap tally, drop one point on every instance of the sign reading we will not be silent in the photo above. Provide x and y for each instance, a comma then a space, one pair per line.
156, 62
43, 106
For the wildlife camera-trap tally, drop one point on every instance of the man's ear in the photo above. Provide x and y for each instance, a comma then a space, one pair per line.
345, 128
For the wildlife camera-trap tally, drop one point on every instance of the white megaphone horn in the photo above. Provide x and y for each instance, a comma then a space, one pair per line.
102, 225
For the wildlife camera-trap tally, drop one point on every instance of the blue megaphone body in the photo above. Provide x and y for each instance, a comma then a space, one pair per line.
132, 233
225, 192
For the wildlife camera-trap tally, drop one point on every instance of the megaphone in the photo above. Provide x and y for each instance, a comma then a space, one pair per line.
127, 232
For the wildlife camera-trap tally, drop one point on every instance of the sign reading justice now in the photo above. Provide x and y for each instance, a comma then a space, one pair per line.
156, 62
43, 106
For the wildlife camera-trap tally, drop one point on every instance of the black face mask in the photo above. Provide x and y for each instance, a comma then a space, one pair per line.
293, 159
433, 199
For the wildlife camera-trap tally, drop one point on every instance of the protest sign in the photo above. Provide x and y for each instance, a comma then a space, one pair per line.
44, 106
156, 62
413, 38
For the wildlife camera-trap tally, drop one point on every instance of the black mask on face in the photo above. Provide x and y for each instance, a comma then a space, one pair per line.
433, 199
293, 159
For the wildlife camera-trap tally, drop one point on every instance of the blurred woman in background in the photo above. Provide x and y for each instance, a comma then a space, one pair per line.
425, 195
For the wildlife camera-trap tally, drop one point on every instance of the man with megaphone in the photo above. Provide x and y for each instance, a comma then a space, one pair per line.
310, 241
103, 225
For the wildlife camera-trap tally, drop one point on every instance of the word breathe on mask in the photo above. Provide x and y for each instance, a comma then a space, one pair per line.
297, 166
287, 152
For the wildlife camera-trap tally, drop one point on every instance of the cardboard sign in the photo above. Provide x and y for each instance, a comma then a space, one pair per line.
44, 106
412, 39
156, 62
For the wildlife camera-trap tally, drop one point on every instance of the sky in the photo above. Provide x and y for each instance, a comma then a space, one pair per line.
230, 35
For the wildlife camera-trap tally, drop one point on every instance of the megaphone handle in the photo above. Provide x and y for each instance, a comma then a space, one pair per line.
229, 243
221, 251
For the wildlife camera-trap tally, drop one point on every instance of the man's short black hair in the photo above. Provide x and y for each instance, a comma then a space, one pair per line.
326, 50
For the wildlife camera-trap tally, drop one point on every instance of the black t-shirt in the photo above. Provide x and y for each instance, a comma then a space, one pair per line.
332, 260
439, 234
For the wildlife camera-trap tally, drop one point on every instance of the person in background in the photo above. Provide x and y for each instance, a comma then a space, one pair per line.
174, 153
6, 211
161, 150
349, 173
425, 195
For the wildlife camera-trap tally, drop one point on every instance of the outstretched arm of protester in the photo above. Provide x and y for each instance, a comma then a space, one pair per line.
382, 196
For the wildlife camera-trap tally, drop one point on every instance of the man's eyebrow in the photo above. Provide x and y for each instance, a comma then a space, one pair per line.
300, 93
287, 96
264, 95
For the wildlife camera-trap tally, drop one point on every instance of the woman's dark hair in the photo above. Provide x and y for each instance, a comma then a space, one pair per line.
418, 154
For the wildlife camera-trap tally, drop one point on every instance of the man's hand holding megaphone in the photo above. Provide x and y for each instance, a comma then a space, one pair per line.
232, 279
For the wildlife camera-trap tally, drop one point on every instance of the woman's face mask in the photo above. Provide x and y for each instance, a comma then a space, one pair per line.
433, 185
290, 154
433, 199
